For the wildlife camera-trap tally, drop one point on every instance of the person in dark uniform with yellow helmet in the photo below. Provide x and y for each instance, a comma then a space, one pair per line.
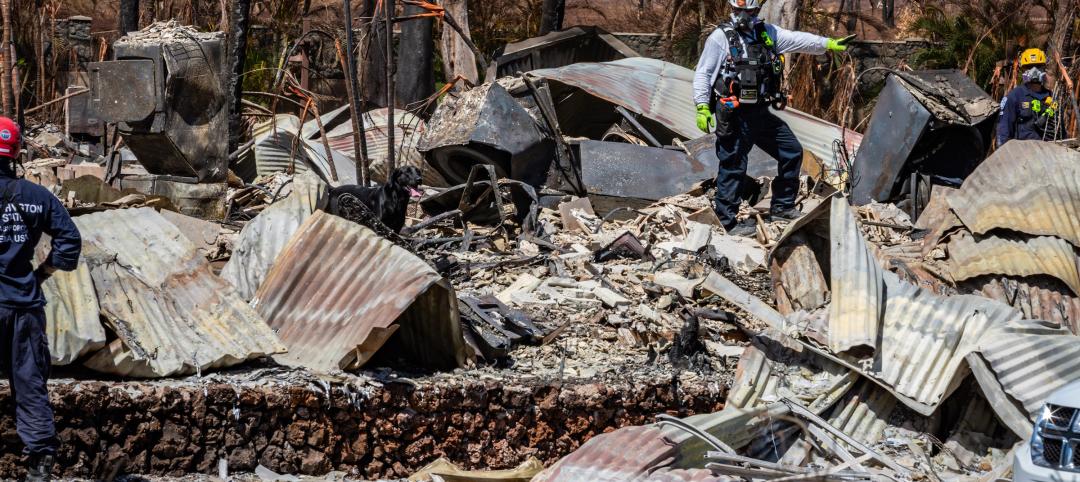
1028, 111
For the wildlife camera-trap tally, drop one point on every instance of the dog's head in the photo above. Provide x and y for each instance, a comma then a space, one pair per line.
407, 178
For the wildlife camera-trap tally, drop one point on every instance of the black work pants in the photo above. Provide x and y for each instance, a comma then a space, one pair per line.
24, 356
756, 126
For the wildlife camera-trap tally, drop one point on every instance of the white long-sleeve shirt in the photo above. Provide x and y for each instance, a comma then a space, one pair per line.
716, 53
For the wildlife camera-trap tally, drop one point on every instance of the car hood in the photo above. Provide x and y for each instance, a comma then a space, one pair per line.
1068, 396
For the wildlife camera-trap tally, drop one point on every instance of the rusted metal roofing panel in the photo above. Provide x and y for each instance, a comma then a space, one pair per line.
73, 324
1015, 256
1028, 186
636, 453
338, 291
855, 279
264, 237
1037, 298
170, 313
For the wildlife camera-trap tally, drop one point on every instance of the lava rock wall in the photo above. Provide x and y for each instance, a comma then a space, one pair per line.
176, 428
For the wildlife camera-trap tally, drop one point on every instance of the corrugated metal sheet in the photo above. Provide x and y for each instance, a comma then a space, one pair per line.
338, 291
864, 413
171, 314
274, 149
759, 380
1037, 298
264, 237
664, 92
855, 279
1031, 360
1015, 256
924, 337
407, 131
1028, 186
73, 325
606, 458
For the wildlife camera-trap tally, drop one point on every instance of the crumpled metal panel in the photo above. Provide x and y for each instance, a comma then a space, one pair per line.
660, 91
338, 291
606, 458
274, 151
407, 132
73, 324
263, 238
556, 49
1020, 365
1032, 359
924, 337
856, 282
895, 127
631, 171
171, 315
864, 413
663, 93
1037, 299
1040, 255
1028, 186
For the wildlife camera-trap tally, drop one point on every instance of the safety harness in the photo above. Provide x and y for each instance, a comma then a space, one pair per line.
755, 78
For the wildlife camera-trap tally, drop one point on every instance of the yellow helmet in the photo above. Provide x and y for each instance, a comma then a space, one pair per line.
1032, 57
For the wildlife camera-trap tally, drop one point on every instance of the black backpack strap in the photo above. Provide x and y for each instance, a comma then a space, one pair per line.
735, 42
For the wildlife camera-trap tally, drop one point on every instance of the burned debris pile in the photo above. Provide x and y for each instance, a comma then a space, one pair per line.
909, 326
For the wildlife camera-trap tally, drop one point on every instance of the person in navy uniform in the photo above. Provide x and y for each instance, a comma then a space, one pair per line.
737, 79
28, 211
1028, 111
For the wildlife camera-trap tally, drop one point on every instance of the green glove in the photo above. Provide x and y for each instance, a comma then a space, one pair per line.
705, 119
839, 45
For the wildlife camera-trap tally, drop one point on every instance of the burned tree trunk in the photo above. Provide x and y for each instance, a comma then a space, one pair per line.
237, 58
551, 16
415, 60
372, 57
7, 66
129, 16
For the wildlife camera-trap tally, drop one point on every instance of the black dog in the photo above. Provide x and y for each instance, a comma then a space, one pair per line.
388, 203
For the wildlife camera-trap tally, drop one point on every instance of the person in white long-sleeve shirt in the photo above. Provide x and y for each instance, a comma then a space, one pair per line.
737, 78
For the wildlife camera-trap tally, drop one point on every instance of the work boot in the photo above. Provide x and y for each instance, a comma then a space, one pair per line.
747, 228
789, 214
40, 469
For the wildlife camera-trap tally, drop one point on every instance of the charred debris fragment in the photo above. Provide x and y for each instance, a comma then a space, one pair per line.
566, 231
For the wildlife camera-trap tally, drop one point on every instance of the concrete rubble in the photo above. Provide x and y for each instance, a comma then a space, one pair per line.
562, 303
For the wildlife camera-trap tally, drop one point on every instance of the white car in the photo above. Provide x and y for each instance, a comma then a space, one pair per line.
1053, 453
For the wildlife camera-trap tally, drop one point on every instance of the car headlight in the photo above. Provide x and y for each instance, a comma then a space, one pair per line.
1037, 443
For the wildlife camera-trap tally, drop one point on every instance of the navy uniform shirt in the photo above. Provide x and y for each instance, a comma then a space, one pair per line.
28, 210
1018, 117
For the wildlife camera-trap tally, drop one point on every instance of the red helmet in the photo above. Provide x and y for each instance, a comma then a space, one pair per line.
9, 138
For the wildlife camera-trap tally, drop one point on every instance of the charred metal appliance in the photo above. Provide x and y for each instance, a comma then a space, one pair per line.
166, 92
928, 127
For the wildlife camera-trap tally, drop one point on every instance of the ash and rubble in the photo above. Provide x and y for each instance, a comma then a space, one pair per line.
853, 343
